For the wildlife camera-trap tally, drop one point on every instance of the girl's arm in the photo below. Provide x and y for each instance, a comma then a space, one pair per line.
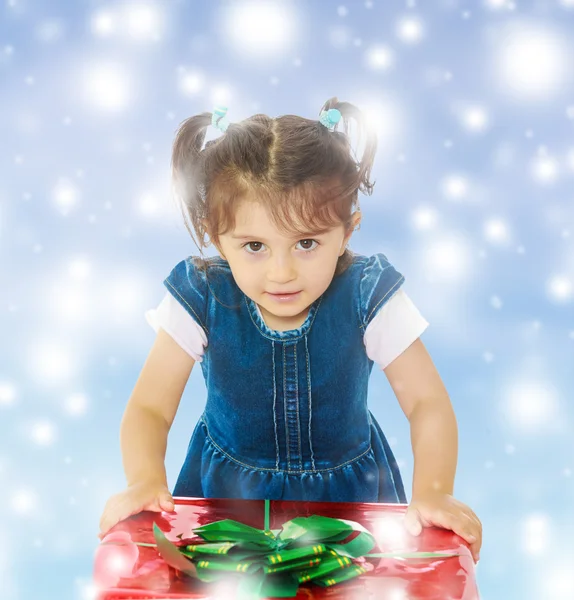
151, 410
434, 437
426, 404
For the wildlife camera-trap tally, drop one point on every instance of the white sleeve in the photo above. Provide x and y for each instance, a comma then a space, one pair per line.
394, 328
179, 324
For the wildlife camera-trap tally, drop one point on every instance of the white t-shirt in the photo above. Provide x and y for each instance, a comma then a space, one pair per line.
394, 328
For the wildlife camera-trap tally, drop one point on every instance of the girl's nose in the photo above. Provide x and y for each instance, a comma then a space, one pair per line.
281, 270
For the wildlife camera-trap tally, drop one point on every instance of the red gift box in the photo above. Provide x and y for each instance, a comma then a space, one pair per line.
137, 572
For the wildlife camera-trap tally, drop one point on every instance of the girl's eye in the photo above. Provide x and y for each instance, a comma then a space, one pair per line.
253, 247
256, 247
307, 245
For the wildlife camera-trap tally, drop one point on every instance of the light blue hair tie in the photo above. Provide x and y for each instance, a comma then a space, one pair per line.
218, 119
329, 118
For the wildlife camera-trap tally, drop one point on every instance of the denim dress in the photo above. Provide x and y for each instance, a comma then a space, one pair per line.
286, 415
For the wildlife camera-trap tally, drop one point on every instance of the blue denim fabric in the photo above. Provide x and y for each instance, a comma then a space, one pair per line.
286, 415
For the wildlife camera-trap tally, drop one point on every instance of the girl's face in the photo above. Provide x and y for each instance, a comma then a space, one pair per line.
283, 274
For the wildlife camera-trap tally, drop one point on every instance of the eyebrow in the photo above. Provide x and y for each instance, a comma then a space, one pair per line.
295, 237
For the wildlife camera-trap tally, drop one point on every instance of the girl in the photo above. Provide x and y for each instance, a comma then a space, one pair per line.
287, 323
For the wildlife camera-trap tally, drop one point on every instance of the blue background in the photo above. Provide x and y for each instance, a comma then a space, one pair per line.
474, 112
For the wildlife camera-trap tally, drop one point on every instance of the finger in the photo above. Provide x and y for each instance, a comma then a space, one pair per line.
153, 505
466, 529
476, 530
458, 522
167, 502
471, 515
122, 510
412, 521
457, 519
438, 518
461, 525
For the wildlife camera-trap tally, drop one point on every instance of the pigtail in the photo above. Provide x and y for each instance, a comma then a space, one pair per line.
364, 166
185, 156
190, 179
186, 168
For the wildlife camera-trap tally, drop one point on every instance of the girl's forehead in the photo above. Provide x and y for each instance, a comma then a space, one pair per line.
254, 213
253, 218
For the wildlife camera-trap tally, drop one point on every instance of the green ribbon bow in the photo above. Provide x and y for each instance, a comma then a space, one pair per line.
275, 562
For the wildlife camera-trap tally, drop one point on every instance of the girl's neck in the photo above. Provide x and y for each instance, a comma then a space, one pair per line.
283, 323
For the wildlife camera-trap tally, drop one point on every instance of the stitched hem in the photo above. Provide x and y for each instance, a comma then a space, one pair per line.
368, 319
189, 305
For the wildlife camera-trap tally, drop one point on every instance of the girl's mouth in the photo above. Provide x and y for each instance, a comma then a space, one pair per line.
284, 297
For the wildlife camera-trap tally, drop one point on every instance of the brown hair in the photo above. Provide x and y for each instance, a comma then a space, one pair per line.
303, 173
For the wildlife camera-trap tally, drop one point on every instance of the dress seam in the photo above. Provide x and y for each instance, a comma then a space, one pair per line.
278, 338
254, 468
285, 411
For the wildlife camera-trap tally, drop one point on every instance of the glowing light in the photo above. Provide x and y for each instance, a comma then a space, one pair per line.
530, 406
535, 534
497, 4
104, 23
107, 87
70, 303
190, 83
560, 288
455, 187
79, 269
475, 118
544, 169
385, 117
143, 21
390, 532
424, 218
558, 581
76, 405
65, 195
447, 259
410, 30
23, 502
7, 393
43, 433
137, 21
531, 61
50, 362
380, 57
148, 205
258, 29
496, 230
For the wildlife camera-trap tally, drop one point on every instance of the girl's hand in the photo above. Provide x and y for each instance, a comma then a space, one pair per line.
442, 510
145, 495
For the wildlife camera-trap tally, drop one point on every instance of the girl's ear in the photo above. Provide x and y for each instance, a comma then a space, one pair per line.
210, 241
355, 224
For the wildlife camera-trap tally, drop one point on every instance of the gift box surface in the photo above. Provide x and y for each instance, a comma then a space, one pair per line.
127, 570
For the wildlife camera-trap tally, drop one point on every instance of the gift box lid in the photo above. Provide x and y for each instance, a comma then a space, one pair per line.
126, 568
